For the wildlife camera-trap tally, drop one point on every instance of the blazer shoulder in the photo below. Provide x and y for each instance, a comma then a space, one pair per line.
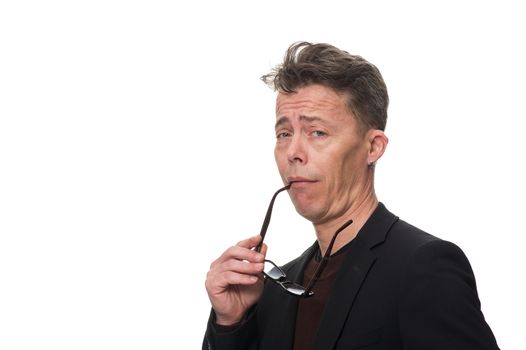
408, 247
404, 241
406, 235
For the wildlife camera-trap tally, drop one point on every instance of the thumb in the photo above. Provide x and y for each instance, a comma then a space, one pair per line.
264, 249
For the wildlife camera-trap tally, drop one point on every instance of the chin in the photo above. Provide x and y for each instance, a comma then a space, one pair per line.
308, 205
308, 213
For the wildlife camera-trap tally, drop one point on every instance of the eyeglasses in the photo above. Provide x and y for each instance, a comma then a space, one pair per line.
274, 273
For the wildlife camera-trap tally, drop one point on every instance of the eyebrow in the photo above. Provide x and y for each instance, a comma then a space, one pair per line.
303, 118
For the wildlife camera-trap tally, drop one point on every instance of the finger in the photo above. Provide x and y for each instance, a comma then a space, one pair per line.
230, 278
240, 252
264, 249
250, 242
239, 266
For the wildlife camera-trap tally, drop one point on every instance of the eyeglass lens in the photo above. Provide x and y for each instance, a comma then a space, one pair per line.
277, 275
273, 271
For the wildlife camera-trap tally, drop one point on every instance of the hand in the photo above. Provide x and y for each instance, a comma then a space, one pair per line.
235, 281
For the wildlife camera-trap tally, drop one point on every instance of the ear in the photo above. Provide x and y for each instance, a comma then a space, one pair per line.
377, 144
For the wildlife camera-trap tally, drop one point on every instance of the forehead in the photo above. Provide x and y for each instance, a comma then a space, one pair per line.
311, 99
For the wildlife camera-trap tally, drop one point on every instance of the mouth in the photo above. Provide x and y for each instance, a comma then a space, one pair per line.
299, 181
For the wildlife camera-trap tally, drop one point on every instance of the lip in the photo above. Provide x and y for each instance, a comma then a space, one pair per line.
298, 181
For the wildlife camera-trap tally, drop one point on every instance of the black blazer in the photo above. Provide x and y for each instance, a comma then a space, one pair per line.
399, 288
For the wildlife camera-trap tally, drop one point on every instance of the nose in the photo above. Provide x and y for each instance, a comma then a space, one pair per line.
296, 151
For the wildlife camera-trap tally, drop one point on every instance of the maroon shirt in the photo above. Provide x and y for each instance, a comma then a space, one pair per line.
310, 310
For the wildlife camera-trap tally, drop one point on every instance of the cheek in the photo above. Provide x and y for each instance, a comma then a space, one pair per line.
353, 168
335, 166
344, 168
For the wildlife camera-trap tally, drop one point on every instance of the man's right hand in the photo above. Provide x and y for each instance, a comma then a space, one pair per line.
235, 281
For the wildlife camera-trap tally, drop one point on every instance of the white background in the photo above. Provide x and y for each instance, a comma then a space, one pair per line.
136, 144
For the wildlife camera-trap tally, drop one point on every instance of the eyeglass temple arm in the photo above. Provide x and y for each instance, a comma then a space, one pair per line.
325, 258
266, 222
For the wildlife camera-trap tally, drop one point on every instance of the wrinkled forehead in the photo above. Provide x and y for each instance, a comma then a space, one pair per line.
308, 100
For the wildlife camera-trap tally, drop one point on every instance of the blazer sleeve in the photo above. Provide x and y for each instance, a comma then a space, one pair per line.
242, 337
439, 307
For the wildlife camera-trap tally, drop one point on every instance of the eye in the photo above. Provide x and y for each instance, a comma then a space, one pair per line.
282, 134
319, 133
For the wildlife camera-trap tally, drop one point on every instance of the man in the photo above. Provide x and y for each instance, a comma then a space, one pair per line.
371, 280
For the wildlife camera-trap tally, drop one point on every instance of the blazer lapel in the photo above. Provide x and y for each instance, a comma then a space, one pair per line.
340, 301
351, 276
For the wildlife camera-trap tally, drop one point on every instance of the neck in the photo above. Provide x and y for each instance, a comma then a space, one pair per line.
359, 212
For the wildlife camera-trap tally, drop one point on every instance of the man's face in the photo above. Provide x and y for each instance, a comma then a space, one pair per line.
319, 147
